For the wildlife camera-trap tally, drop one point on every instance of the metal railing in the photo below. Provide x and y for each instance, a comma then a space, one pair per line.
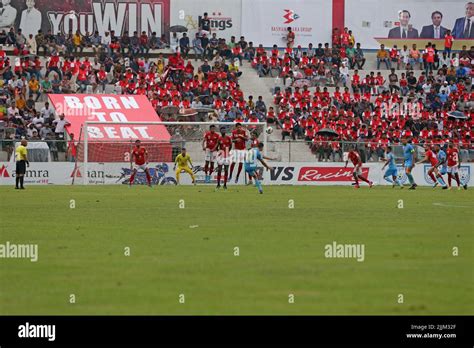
54, 150
335, 151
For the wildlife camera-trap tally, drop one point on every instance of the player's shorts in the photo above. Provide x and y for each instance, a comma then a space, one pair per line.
250, 170
186, 169
210, 156
443, 170
357, 171
391, 172
408, 164
20, 167
453, 170
224, 160
140, 166
238, 156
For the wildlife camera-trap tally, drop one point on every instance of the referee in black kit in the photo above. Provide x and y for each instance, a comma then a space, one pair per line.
21, 162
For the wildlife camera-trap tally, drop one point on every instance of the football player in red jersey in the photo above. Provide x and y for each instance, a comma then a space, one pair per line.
354, 157
223, 157
454, 162
433, 172
209, 144
140, 157
239, 138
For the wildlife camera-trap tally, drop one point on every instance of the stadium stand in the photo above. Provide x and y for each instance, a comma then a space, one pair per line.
363, 96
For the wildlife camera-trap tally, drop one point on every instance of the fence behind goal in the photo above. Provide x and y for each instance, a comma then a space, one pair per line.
97, 147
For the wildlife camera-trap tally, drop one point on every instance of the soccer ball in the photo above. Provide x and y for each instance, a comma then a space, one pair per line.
269, 130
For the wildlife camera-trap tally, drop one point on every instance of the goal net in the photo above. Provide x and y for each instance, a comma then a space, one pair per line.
104, 152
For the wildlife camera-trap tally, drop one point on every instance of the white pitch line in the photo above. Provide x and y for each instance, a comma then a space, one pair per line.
449, 205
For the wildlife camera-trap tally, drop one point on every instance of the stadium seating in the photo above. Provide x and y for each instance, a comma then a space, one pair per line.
227, 84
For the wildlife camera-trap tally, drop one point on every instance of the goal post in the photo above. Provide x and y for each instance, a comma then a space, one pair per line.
111, 142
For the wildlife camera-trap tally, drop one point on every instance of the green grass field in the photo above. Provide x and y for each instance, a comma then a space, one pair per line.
190, 251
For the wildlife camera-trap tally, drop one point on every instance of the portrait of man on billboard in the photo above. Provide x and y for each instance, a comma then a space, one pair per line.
405, 30
7, 15
463, 28
30, 21
434, 30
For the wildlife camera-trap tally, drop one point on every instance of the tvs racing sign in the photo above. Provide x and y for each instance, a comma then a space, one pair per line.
319, 174
328, 174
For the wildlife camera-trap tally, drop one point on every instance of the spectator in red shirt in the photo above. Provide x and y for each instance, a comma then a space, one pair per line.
144, 47
429, 58
448, 42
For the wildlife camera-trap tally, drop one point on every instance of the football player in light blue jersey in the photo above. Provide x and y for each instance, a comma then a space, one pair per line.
409, 161
252, 157
392, 172
442, 165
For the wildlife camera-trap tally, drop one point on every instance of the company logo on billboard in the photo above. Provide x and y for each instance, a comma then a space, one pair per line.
4, 172
290, 16
331, 174
218, 21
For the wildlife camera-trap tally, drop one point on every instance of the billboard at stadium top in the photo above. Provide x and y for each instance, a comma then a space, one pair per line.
420, 20
266, 21
62, 16
225, 16
260, 21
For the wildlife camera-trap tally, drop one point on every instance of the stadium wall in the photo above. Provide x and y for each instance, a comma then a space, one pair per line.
314, 173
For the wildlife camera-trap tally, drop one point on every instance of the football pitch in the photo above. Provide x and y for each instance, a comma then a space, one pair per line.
194, 251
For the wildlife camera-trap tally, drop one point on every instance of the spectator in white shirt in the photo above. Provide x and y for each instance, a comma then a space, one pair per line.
106, 41
174, 42
405, 55
445, 88
60, 126
426, 87
455, 61
443, 59
38, 121
344, 71
31, 44
47, 113
12, 110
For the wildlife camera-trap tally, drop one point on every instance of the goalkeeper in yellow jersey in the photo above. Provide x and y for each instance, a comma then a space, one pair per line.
182, 161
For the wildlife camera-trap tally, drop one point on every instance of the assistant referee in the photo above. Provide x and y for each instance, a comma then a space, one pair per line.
21, 162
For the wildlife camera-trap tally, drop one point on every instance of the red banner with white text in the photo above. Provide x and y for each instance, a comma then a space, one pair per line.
113, 142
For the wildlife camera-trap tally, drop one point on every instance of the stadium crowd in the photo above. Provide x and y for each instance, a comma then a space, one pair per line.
365, 108
368, 108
